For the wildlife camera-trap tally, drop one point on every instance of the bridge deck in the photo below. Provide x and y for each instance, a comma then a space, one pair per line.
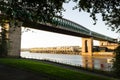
64, 26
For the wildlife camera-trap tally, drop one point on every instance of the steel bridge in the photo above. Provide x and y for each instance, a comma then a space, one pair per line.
59, 25
64, 26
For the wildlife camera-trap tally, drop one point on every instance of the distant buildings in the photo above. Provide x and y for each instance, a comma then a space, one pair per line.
60, 50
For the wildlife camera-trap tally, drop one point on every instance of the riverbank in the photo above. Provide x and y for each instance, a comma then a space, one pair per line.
56, 50
45, 70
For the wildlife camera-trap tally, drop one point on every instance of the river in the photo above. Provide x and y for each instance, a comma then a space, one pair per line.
101, 63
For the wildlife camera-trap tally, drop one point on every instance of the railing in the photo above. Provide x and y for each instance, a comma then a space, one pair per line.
72, 26
69, 25
97, 35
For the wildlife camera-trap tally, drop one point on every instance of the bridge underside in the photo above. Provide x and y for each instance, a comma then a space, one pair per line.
53, 28
88, 40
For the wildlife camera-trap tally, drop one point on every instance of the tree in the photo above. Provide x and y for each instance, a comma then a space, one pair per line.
31, 10
3, 43
109, 10
116, 64
45, 10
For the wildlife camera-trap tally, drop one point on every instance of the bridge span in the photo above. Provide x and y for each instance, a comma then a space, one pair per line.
63, 26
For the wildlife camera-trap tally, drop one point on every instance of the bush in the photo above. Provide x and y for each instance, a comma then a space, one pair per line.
116, 64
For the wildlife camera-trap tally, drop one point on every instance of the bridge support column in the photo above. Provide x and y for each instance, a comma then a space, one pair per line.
87, 46
14, 41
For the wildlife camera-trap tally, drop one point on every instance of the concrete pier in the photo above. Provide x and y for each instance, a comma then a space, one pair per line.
14, 40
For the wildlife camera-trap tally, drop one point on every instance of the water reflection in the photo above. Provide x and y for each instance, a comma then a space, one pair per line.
88, 62
101, 63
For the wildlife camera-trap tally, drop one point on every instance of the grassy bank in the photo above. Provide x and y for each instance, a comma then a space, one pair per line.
48, 70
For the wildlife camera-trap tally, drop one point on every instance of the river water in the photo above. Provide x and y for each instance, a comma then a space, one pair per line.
101, 63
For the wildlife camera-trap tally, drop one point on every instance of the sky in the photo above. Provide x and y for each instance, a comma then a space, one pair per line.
40, 38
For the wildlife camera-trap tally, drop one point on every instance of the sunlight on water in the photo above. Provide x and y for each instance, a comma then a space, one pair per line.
76, 60
61, 58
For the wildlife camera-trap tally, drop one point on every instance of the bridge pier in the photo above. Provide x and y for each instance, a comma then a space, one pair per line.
87, 46
14, 40
108, 45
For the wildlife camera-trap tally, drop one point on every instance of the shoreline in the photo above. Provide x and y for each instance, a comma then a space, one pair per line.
54, 67
76, 68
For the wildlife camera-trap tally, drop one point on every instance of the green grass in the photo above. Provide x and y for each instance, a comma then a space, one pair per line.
49, 70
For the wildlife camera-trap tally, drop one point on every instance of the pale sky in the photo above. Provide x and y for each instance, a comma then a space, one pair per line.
38, 38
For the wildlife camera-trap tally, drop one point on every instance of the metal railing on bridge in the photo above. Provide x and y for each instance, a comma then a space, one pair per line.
72, 26
69, 25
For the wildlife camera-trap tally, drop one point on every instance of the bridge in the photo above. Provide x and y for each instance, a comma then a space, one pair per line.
63, 26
